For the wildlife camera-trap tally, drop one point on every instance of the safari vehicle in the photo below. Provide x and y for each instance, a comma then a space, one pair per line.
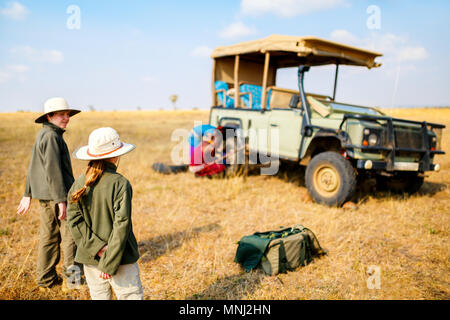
337, 142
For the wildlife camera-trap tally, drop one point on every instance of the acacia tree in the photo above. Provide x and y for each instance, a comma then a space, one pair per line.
173, 98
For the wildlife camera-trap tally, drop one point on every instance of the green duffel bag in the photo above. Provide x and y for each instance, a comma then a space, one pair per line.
278, 251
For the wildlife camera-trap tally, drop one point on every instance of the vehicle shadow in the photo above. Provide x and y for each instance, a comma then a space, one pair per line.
155, 247
292, 173
234, 287
368, 188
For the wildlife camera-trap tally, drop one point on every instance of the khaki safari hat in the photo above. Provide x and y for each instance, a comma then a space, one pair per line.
53, 105
103, 143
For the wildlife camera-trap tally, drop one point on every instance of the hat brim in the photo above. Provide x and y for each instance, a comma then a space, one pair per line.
82, 153
42, 118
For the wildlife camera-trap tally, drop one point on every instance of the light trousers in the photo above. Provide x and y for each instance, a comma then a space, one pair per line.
126, 283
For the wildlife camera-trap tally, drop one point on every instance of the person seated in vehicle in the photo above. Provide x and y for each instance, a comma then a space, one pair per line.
204, 161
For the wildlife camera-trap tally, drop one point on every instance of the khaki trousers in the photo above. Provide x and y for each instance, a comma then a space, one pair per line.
126, 283
54, 237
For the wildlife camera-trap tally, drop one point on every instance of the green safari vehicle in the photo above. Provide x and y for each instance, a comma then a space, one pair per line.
339, 143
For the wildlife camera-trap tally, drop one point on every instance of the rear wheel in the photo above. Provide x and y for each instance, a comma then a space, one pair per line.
330, 179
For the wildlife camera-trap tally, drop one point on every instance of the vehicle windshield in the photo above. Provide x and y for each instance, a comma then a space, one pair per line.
347, 108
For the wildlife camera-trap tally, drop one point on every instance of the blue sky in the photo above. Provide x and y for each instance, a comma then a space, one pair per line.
129, 54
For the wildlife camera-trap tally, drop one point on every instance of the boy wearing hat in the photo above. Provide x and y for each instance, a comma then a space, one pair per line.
49, 179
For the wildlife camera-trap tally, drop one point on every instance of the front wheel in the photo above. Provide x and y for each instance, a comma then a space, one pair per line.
330, 179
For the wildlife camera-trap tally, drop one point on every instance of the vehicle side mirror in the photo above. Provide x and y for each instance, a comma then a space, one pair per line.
307, 131
294, 101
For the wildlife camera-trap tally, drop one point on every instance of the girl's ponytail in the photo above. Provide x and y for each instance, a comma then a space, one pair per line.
94, 171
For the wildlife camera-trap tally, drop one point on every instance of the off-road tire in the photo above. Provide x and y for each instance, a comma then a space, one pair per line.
330, 179
402, 182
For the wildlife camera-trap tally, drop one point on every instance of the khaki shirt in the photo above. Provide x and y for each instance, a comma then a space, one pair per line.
50, 173
102, 217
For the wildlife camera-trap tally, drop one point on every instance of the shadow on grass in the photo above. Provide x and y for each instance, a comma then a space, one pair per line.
158, 246
292, 173
234, 287
368, 188
295, 174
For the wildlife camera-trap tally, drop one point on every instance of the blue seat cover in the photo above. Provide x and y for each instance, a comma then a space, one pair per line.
222, 85
256, 92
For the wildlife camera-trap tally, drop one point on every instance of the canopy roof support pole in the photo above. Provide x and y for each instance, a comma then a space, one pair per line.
213, 84
237, 96
335, 81
264, 82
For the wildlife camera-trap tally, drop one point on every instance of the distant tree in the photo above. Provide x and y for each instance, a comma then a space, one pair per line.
91, 107
173, 98
139, 108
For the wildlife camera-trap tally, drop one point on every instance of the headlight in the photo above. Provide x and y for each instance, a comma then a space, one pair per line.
373, 139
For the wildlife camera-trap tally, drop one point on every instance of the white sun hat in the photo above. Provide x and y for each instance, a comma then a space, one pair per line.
103, 143
53, 105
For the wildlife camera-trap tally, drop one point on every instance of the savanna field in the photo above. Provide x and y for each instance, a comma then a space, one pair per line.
187, 227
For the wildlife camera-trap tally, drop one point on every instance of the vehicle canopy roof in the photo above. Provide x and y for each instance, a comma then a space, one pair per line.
291, 51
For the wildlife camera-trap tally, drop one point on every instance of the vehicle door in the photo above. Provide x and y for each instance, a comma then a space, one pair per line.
285, 126
257, 124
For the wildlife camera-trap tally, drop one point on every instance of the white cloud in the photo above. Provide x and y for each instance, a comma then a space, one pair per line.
13, 72
237, 30
394, 48
412, 54
287, 8
52, 56
4, 76
15, 11
17, 68
343, 36
36, 55
201, 51
149, 79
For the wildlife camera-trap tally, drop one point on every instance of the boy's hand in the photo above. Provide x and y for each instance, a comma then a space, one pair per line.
62, 206
24, 205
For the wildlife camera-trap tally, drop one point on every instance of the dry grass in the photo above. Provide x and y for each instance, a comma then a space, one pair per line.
187, 228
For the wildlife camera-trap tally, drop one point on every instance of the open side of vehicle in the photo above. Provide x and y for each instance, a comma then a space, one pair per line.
338, 142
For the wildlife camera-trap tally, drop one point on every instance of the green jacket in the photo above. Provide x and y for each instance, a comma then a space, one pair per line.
102, 217
50, 173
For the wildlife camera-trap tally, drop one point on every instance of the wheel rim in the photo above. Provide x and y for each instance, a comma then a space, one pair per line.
327, 180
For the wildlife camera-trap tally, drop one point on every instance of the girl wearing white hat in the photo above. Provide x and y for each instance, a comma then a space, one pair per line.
99, 217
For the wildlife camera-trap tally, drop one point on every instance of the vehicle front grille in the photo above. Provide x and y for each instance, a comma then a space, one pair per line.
409, 138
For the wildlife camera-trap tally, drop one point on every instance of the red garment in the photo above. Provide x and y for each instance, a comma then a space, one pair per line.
198, 159
211, 170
